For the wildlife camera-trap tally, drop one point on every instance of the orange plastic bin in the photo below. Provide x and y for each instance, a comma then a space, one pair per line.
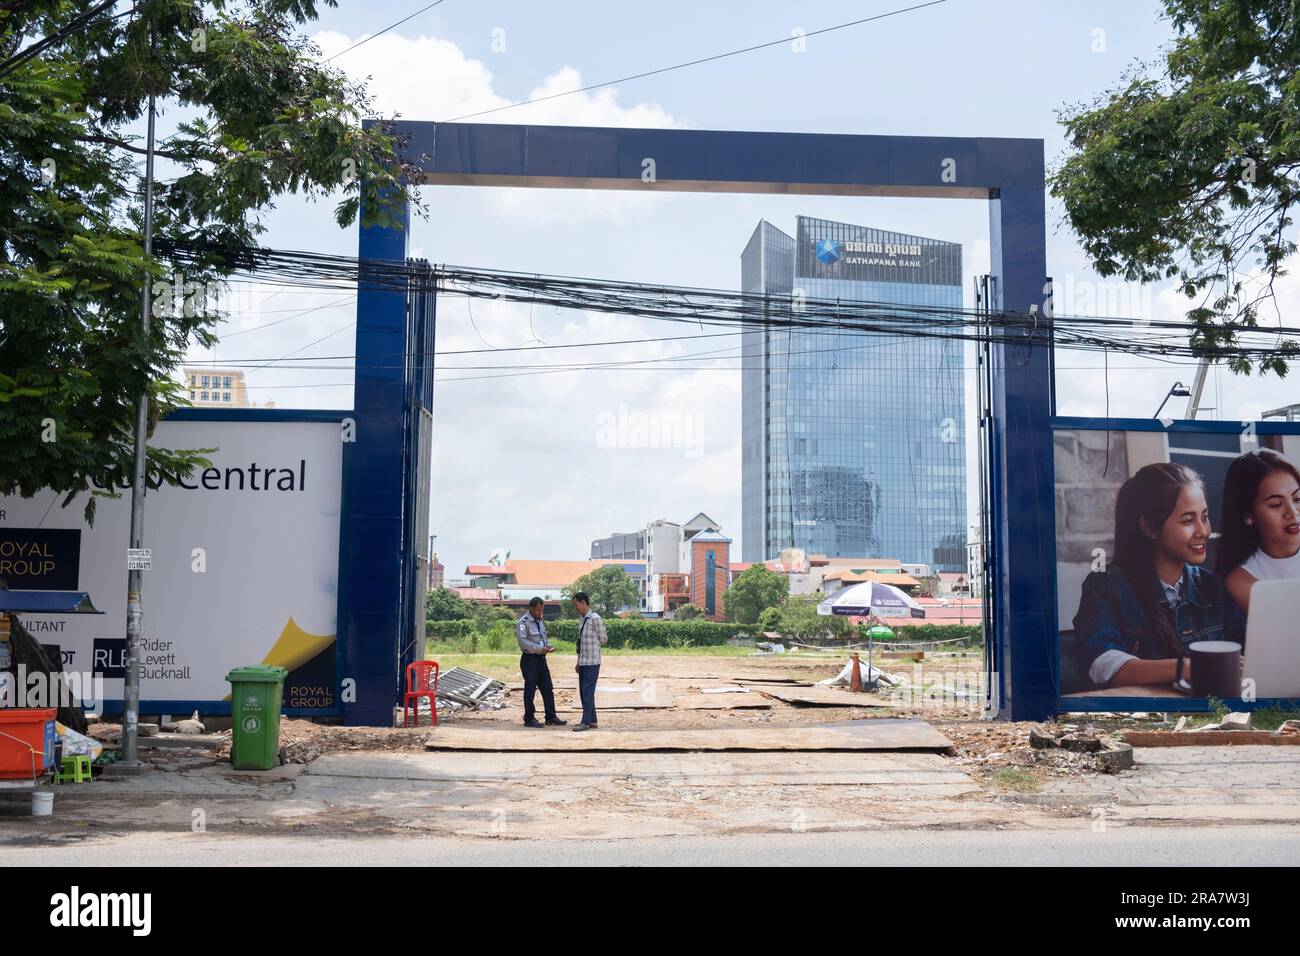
26, 742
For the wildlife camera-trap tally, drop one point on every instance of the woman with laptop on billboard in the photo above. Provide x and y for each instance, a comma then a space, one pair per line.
1260, 539
1139, 616
1259, 555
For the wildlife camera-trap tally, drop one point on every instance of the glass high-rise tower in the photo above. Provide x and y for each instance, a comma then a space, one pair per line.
853, 443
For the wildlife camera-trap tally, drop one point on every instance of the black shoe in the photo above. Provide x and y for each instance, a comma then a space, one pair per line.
555, 722
532, 723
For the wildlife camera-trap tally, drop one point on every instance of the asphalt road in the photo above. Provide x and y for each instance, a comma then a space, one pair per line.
1118, 846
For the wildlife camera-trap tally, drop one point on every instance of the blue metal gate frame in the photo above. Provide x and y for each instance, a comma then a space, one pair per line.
1007, 173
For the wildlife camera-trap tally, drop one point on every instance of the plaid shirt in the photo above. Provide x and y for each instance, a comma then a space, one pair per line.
591, 635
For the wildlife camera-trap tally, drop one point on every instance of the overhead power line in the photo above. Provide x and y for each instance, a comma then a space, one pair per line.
690, 63
391, 26
68, 30
728, 309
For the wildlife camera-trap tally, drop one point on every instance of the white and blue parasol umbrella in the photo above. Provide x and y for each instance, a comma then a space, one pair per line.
870, 597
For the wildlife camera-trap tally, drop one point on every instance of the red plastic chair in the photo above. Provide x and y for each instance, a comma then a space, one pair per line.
421, 681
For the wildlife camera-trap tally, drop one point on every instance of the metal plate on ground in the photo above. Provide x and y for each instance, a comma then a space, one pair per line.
884, 734
729, 701
821, 696
642, 699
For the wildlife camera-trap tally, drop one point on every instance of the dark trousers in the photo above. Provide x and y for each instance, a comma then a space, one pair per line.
537, 676
587, 674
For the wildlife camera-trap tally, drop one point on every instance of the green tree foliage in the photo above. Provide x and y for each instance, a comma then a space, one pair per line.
1193, 174
753, 591
610, 588
500, 635
485, 615
444, 604
259, 116
687, 612
799, 619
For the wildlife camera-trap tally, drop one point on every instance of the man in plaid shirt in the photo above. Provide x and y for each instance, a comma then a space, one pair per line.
591, 636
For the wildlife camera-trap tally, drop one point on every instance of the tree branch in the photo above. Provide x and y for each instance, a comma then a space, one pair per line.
122, 144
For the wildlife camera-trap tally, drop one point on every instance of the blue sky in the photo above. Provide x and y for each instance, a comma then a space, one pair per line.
541, 464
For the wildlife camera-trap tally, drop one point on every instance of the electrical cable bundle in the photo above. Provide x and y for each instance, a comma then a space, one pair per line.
721, 308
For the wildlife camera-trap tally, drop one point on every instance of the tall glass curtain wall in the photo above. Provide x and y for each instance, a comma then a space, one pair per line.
853, 444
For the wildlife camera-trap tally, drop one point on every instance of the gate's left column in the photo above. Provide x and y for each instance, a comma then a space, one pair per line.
371, 576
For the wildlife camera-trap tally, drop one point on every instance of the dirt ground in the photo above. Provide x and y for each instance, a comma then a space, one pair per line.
350, 781
980, 747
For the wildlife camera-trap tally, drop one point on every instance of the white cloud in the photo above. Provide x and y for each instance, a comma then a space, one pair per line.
426, 78
422, 78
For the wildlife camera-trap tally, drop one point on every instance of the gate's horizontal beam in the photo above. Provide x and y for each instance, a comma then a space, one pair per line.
480, 154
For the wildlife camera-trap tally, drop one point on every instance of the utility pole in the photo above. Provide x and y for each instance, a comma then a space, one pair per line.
130, 762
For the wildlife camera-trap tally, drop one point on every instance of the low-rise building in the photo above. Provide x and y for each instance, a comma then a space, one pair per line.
710, 564
518, 581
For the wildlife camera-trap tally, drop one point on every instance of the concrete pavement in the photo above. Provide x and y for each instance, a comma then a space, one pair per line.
1130, 846
638, 796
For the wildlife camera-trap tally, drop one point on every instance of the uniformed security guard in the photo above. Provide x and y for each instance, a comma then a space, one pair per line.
531, 634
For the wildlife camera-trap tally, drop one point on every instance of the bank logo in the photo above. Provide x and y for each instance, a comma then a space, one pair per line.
829, 251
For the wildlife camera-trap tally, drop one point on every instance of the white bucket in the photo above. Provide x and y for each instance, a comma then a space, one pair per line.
42, 803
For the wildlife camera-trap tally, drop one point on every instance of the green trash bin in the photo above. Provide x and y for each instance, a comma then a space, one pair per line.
255, 696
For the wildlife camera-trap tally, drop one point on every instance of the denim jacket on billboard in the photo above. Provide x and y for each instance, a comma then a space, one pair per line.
1111, 619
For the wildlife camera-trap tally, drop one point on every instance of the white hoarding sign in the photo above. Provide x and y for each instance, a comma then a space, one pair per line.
242, 565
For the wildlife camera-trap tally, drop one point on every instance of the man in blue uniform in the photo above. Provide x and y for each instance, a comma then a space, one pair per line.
530, 631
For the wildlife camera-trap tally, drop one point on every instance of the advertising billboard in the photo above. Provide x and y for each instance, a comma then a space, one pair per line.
244, 566
1178, 562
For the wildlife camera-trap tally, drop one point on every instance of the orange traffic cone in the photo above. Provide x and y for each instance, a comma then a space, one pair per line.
855, 682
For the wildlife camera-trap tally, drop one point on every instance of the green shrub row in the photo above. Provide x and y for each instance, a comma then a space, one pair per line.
623, 632
449, 630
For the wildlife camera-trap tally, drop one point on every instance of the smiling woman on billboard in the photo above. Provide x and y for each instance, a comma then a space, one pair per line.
1261, 523
1137, 618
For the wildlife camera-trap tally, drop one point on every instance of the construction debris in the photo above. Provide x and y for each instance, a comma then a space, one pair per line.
1235, 721
1119, 756
191, 726
1053, 749
1041, 740
303, 741
460, 688
845, 677
1080, 743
